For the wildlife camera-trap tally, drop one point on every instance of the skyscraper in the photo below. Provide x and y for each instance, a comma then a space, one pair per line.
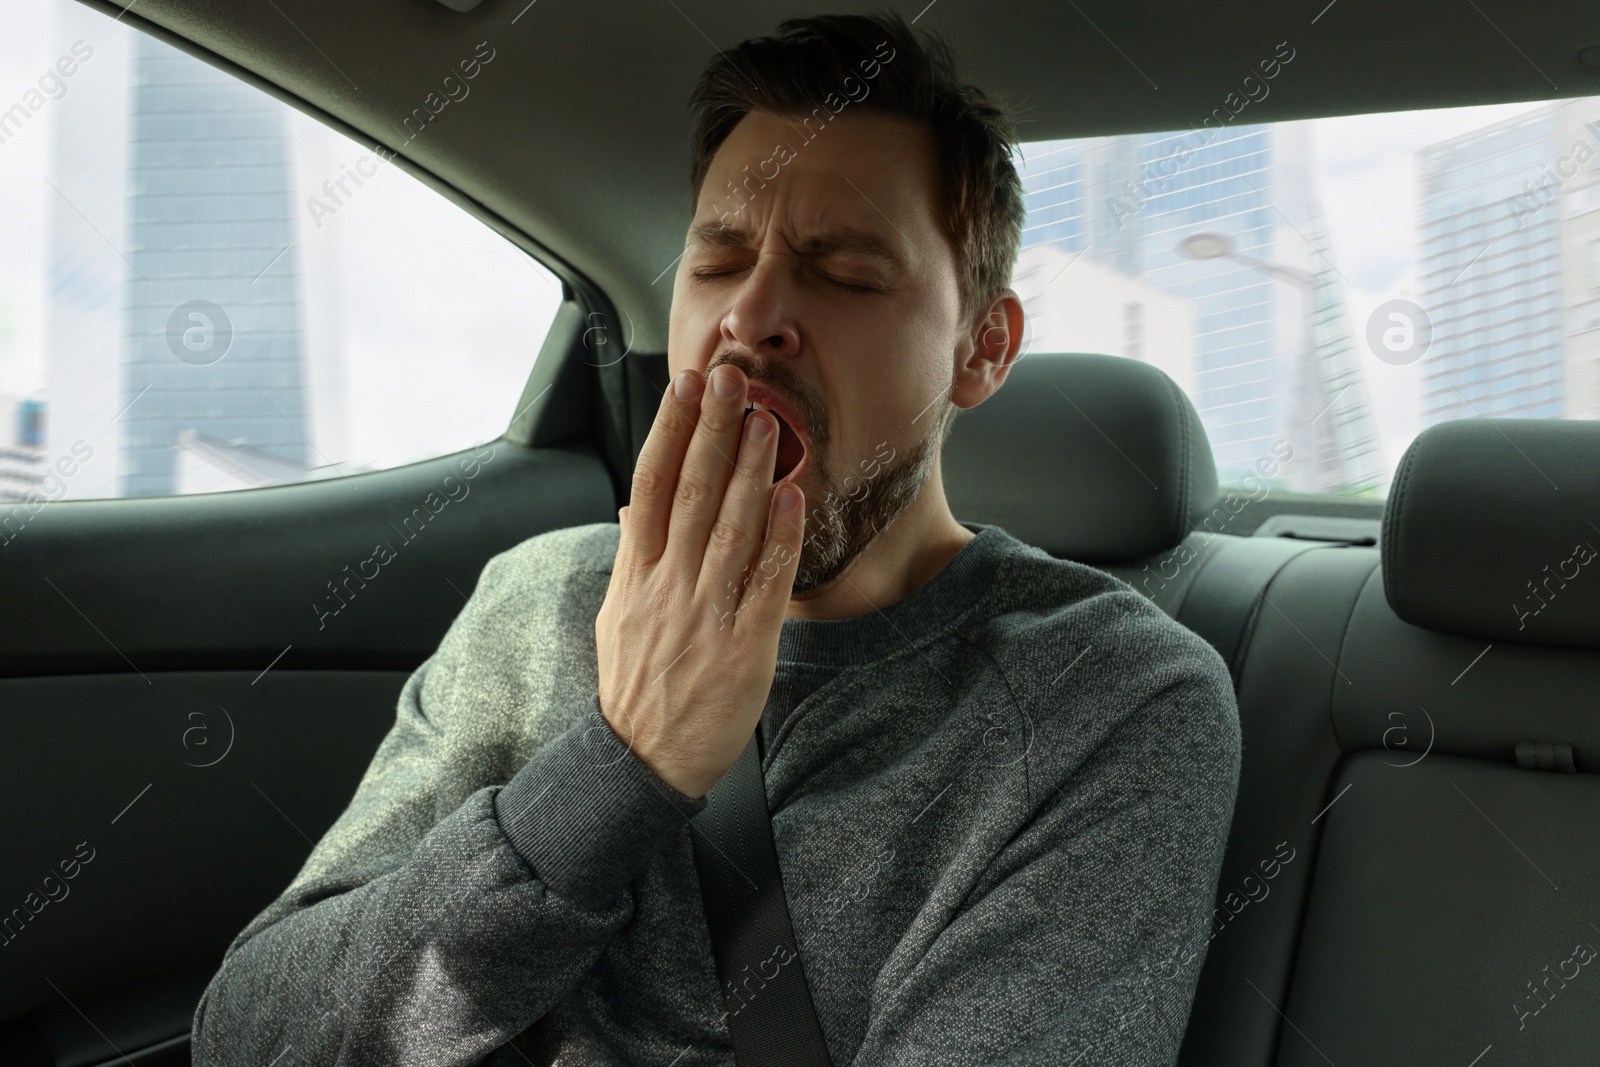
213, 314
1274, 352
1489, 263
1580, 257
175, 273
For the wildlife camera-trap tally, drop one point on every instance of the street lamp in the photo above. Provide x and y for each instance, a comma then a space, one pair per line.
1210, 245
1220, 246
1206, 245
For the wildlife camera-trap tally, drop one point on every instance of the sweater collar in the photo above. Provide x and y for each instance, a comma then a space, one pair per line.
881, 631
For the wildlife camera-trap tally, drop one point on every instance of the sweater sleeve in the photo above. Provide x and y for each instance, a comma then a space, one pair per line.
1069, 955
412, 939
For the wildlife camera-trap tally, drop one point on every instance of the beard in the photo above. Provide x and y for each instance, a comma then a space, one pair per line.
837, 532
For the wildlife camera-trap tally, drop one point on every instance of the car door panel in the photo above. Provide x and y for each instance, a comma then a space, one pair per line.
191, 688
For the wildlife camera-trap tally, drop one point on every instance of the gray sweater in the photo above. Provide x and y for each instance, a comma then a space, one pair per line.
999, 803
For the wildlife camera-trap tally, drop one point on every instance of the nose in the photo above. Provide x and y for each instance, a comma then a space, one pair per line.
757, 320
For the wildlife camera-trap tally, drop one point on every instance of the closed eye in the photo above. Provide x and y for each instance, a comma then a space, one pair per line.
707, 273
854, 287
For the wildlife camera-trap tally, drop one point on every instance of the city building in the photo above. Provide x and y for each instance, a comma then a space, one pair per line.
1274, 358
207, 465
1490, 269
23, 465
175, 274
1074, 304
1580, 257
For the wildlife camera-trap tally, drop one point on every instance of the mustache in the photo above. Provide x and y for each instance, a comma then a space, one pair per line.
779, 378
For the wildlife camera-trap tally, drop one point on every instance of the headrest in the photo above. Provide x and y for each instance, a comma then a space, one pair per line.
1093, 458
1492, 530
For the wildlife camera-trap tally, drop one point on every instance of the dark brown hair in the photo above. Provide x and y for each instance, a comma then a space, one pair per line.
810, 60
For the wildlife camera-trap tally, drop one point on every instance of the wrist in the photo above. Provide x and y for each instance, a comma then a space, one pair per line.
688, 780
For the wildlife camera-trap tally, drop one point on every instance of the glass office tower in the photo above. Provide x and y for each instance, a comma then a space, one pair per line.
213, 342
1275, 357
1490, 266
175, 302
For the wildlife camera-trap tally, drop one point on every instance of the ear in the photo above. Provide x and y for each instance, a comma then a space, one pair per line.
992, 347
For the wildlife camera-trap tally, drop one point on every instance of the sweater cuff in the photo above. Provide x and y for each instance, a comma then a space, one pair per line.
587, 815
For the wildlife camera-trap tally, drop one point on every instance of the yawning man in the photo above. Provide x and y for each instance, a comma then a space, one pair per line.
999, 782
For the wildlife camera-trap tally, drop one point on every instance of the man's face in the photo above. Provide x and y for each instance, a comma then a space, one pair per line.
823, 274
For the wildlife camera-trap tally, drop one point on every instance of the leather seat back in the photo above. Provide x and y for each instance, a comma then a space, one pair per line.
1066, 429
1424, 735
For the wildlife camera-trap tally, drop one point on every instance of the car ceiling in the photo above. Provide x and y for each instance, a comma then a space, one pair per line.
574, 138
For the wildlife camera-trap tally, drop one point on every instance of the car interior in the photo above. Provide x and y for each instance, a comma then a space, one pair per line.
1415, 852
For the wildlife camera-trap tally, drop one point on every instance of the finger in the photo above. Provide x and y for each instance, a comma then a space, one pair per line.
703, 479
655, 475
766, 598
737, 534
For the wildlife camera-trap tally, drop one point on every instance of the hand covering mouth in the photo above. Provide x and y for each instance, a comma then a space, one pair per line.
791, 446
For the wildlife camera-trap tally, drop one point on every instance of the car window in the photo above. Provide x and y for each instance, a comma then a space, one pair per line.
1324, 290
203, 289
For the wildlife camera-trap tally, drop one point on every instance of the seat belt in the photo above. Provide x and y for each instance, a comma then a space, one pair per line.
770, 1016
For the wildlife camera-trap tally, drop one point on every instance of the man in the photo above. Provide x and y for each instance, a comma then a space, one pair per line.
1000, 783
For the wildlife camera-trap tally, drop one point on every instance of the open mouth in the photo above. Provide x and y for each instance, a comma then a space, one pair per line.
791, 448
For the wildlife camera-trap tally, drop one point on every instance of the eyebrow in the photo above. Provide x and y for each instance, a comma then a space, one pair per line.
842, 239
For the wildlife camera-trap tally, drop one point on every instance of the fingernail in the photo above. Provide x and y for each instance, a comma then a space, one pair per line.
788, 497
725, 383
757, 429
686, 385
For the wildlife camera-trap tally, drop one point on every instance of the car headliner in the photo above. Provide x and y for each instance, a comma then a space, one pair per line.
574, 140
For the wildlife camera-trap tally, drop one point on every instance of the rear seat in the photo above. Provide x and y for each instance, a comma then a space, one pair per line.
1398, 888
1425, 734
